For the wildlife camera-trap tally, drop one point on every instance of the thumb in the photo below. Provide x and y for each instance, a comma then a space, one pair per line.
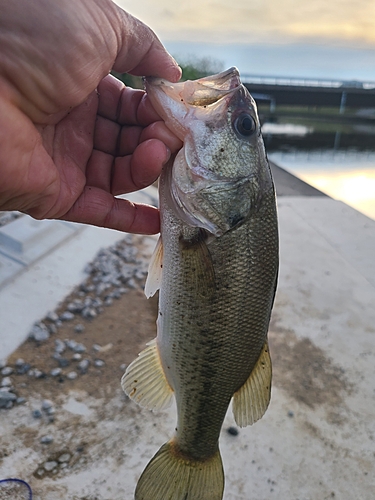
141, 53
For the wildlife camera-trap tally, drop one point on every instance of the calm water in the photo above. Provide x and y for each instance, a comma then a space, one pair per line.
338, 159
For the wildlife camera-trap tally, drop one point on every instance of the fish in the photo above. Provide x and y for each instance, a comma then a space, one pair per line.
215, 266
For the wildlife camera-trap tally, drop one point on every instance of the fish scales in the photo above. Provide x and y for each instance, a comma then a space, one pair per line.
217, 329
216, 266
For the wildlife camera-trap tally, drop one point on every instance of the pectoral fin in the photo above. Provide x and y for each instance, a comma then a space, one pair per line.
144, 380
155, 267
251, 401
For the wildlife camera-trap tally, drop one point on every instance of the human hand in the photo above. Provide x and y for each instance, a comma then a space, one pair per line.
66, 150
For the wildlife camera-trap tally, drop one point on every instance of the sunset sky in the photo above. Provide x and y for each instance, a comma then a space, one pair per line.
285, 37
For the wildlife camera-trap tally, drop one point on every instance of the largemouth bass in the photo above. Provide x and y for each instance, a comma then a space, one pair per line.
216, 266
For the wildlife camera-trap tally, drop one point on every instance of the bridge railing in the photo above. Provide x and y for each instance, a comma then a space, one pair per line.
304, 82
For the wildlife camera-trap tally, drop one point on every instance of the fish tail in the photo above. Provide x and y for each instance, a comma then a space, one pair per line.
169, 476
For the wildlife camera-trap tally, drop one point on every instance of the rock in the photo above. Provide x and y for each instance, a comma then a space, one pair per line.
108, 301
52, 316
72, 375
63, 362
55, 372
79, 328
7, 370
76, 357
101, 287
76, 306
47, 440
46, 404
99, 363
115, 294
50, 465
97, 302
6, 382
97, 347
123, 367
21, 400
71, 344
36, 414
65, 457
132, 284
22, 369
38, 373
83, 365
52, 329
39, 332
66, 316
89, 313
79, 348
7, 399
19, 362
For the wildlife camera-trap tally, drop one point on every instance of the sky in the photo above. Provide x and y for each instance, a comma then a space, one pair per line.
302, 38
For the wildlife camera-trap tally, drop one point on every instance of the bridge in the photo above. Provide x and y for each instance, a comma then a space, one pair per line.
310, 92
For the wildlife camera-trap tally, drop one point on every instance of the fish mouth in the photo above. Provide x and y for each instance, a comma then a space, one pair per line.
199, 93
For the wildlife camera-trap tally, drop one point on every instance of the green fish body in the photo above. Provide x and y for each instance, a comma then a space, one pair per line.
216, 266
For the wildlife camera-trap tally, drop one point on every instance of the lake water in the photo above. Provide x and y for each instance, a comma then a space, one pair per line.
337, 158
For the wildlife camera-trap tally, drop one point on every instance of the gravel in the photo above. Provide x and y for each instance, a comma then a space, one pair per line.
6, 382
47, 440
39, 332
67, 316
50, 465
7, 370
7, 399
65, 457
113, 272
47, 404
55, 372
83, 365
37, 414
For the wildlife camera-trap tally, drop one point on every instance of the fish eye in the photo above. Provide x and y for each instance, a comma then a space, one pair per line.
245, 125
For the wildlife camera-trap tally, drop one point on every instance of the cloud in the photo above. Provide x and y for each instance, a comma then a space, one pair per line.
259, 20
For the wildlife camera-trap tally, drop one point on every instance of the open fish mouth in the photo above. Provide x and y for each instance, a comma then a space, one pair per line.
202, 92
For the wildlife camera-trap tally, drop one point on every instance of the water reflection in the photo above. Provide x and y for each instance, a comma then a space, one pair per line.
337, 158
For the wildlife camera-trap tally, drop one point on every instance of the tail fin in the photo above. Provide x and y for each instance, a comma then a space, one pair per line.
171, 477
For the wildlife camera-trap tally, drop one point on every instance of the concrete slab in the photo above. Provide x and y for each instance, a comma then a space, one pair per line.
25, 240
350, 233
9, 268
317, 439
288, 184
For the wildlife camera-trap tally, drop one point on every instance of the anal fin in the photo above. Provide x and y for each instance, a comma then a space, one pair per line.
144, 380
252, 399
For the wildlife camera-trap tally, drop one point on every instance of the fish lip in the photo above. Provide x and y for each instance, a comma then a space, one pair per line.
202, 92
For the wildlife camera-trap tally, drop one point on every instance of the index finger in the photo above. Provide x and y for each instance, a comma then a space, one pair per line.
124, 105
